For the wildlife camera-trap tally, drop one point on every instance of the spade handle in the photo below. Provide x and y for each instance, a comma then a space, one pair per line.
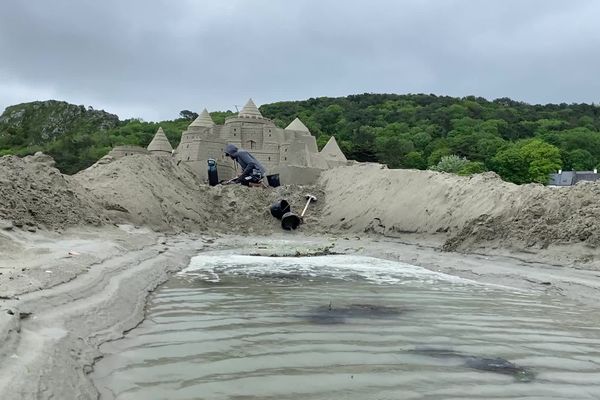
310, 198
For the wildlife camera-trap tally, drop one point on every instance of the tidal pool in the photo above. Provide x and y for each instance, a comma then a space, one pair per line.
349, 327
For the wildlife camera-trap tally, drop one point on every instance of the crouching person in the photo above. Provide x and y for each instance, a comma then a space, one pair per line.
252, 170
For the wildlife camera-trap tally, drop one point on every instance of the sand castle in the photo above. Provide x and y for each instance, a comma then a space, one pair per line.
291, 152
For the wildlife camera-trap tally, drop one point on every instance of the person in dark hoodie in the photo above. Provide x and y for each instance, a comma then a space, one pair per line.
252, 170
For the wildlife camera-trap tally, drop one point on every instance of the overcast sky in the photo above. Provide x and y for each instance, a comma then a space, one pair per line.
153, 58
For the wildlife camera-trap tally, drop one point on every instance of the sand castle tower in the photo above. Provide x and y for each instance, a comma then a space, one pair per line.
250, 111
202, 121
160, 144
297, 125
333, 154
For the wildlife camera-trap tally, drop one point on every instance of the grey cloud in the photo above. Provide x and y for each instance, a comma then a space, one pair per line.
152, 59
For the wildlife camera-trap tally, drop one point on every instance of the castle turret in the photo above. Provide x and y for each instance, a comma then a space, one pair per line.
160, 144
332, 151
250, 111
203, 120
297, 125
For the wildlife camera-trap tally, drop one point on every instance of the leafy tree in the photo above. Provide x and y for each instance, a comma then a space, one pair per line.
322, 141
328, 117
458, 165
578, 160
415, 160
219, 117
363, 144
391, 150
421, 139
472, 167
528, 161
511, 164
581, 138
586, 121
436, 155
451, 163
188, 115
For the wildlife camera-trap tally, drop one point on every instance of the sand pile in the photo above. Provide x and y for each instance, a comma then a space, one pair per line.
145, 190
372, 198
567, 215
156, 192
469, 212
34, 194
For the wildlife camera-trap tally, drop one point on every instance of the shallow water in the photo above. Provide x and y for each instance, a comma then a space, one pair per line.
333, 327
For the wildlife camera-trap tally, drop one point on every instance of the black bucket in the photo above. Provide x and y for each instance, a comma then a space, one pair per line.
290, 221
273, 180
280, 208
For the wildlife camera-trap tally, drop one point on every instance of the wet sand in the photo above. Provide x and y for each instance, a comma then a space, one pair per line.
52, 323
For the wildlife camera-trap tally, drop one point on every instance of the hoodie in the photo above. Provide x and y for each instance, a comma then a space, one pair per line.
245, 159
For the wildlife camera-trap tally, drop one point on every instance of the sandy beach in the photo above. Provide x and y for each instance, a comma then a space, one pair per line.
81, 253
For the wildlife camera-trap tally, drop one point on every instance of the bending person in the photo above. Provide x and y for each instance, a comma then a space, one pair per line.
252, 170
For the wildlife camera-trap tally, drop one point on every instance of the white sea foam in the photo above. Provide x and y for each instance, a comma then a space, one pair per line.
343, 267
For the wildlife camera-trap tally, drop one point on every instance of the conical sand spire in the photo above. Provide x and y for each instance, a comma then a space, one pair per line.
250, 110
332, 151
297, 125
160, 143
203, 120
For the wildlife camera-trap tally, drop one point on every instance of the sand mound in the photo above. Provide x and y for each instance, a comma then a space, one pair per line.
156, 192
370, 197
145, 190
34, 194
471, 212
567, 215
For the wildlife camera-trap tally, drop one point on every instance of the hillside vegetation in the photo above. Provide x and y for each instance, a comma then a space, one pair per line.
519, 141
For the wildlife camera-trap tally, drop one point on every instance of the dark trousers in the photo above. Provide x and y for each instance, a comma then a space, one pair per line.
247, 180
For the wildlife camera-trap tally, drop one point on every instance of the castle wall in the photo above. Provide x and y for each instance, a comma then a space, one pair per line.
309, 140
161, 153
317, 161
289, 174
126, 150
191, 140
297, 154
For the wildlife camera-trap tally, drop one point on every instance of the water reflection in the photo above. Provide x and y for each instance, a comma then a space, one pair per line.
336, 314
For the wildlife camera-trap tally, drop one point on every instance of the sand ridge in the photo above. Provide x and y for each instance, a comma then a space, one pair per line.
34, 195
479, 213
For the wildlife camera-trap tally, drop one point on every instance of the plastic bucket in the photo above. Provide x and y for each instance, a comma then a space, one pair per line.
273, 180
290, 221
279, 208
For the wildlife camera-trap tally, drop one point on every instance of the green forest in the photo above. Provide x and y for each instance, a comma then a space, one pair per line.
521, 142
